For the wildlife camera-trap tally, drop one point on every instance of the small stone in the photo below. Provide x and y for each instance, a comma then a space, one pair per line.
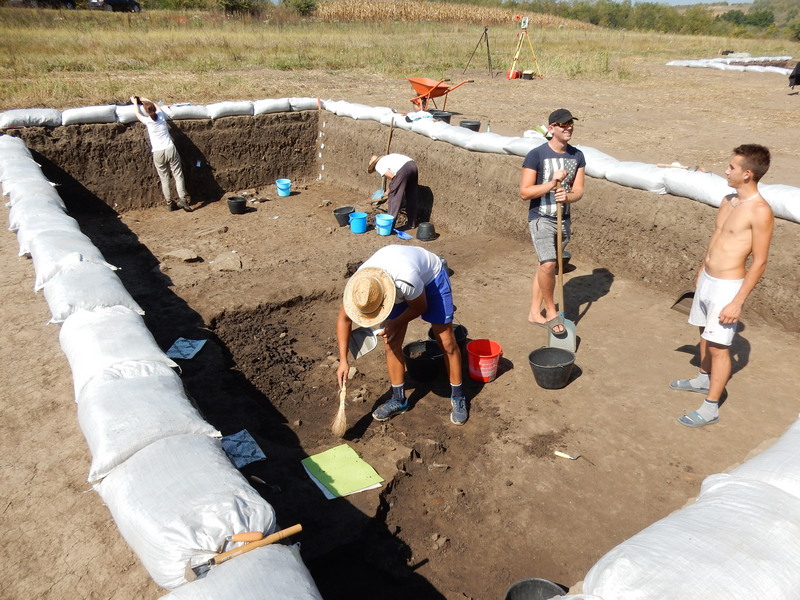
182, 254
297, 423
352, 373
509, 482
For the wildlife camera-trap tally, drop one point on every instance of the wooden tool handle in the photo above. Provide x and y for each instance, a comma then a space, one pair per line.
270, 539
247, 536
559, 240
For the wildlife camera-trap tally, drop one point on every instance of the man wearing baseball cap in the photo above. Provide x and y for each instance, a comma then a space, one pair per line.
551, 173
393, 287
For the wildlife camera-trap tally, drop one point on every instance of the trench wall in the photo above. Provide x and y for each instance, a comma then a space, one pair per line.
658, 240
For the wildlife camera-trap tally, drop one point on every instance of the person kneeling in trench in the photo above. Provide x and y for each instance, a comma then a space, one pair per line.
403, 176
393, 287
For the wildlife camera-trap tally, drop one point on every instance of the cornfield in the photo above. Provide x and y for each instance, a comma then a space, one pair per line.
413, 11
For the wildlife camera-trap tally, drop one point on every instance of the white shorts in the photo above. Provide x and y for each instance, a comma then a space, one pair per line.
710, 297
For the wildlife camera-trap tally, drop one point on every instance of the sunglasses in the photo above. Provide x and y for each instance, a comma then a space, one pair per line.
569, 123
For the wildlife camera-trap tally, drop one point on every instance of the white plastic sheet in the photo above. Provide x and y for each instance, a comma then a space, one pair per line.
94, 340
54, 251
739, 540
86, 286
121, 416
273, 572
176, 500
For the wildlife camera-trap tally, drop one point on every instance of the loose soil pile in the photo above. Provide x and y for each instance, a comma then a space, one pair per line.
464, 511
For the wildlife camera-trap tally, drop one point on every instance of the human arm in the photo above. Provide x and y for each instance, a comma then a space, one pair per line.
529, 190
575, 190
137, 107
762, 227
415, 308
343, 327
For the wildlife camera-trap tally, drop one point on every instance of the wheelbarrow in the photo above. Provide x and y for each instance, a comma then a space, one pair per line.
428, 89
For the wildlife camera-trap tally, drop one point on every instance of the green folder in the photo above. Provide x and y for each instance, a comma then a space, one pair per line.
340, 471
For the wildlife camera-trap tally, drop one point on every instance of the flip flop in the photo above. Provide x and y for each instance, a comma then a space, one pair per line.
555, 322
695, 419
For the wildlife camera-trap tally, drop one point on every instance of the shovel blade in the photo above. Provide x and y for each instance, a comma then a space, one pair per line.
684, 302
567, 340
362, 341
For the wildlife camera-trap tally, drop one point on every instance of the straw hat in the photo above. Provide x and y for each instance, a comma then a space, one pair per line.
372, 162
369, 296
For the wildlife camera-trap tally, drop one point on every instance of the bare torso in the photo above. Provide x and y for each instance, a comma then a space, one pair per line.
732, 240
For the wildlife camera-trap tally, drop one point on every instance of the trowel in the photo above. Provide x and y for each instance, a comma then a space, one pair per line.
363, 340
566, 340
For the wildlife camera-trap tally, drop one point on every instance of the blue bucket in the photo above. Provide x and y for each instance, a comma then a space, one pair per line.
284, 186
383, 223
358, 222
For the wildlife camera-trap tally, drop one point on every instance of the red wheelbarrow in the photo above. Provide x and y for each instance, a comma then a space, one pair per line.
428, 89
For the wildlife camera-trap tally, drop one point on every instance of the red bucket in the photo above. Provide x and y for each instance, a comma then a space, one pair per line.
483, 357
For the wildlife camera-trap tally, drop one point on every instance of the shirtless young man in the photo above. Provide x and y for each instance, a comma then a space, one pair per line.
743, 228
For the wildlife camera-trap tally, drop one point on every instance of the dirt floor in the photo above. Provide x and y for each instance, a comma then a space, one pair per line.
465, 511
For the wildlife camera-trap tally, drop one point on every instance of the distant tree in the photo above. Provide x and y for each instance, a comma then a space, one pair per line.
302, 7
760, 18
737, 17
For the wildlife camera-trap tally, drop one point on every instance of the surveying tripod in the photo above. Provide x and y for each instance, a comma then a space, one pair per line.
484, 36
522, 36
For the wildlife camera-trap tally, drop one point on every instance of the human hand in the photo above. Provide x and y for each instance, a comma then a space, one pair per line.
560, 175
561, 194
342, 373
730, 313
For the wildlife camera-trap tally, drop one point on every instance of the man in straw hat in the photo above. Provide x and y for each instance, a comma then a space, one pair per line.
552, 174
401, 171
393, 287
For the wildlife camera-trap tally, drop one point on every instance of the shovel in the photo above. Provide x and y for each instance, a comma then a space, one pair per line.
192, 572
363, 341
684, 302
566, 340
380, 196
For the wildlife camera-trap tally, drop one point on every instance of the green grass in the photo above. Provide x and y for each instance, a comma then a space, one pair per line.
70, 58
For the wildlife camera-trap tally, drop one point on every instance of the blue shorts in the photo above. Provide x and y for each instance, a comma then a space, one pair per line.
439, 295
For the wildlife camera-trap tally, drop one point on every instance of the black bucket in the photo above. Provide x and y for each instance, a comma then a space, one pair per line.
473, 125
441, 115
461, 337
552, 367
237, 205
534, 589
342, 214
424, 360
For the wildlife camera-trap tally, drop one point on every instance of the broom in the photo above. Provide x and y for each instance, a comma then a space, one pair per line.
339, 425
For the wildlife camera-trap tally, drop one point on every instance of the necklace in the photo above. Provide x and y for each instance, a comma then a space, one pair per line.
735, 204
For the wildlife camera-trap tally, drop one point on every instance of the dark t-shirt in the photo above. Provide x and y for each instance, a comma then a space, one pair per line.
545, 161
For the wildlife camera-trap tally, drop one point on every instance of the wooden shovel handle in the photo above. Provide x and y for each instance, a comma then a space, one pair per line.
270, 539
247, 536
559, 240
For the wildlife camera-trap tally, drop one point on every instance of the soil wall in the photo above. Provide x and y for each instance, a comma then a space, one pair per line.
656, 239
112, 163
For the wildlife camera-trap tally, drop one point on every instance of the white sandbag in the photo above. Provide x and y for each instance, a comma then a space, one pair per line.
121, 416
19, 166
186, 111
30, 117
13, 147
784, 200
126, 113
30, 222
273, 572
230, 109
429, 127
304, 103
778, 465
400, 122
457, 136
354, 110
86, 286
54, 251
23, 214
175, 500
89, 114
707, 188
94, 340
597, 162
520, 146
20, 188
487, 141
376, 113
266, 106
739, 540
641, 176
